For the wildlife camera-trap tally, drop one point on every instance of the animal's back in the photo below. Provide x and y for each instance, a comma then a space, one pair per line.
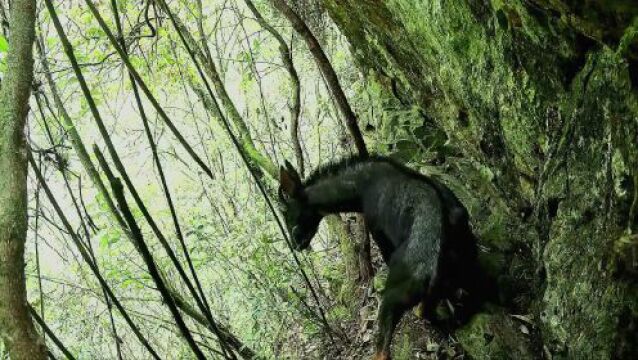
394, 180
406, 210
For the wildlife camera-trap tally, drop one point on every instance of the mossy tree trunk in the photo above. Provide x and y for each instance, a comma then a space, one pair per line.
16, 327
538, 100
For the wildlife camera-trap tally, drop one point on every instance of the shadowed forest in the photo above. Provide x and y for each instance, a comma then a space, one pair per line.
182, 179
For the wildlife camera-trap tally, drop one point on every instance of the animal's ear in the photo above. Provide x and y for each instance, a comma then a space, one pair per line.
289, 184
293, 171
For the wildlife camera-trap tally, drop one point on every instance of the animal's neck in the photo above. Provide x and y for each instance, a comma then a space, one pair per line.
339, 192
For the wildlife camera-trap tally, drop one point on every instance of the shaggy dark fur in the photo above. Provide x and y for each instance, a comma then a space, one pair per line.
420, 226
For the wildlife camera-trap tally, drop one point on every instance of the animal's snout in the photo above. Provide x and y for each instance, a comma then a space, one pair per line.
301, 240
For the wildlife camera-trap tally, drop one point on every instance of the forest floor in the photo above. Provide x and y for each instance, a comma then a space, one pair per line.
414, 338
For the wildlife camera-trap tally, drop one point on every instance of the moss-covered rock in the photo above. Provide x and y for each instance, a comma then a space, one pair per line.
538, 103
496, 337
583, 305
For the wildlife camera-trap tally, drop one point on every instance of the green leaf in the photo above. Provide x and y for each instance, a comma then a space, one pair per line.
4, 45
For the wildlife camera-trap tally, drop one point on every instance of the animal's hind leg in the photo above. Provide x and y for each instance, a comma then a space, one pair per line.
401, 293
426, 307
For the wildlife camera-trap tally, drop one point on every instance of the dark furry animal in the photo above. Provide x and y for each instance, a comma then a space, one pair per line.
420, 226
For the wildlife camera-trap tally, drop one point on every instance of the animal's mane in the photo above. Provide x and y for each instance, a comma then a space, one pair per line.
334, 168
337, 166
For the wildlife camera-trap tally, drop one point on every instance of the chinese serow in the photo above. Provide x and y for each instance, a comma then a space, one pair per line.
419, 225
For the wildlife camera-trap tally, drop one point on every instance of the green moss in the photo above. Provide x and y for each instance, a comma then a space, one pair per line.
378, 282
582, 303
403, 349
626, 259
339, 313
537, 106
495, 337
495, 231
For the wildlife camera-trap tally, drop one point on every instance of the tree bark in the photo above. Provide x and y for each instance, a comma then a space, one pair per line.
16, 327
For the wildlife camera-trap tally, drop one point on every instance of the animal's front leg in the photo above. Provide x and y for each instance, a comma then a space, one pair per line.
388, 319
402, 292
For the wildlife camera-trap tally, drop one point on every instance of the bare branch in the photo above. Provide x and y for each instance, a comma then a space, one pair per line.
328, 71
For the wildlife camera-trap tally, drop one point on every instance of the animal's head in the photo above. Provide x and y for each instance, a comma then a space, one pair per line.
302, 220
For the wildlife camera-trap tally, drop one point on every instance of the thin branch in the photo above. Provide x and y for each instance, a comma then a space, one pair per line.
118, 192
142, 85
87, 257
286, 57
37, 252
112, 151
257, 160
50, 333
84, 227
247, 163
252, 65
82, 65
76, 140
328, 71
167, 193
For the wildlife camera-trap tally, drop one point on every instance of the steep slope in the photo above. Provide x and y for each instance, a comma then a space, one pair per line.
537, 101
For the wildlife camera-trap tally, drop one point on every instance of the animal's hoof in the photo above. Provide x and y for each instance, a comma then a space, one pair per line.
381, 356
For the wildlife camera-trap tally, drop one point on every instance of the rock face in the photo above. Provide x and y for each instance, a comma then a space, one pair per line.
537, 101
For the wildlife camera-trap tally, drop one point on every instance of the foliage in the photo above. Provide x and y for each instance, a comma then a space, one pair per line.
4, 47
239, 254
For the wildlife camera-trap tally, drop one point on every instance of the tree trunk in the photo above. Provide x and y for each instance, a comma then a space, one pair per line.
360, 233
16, 326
